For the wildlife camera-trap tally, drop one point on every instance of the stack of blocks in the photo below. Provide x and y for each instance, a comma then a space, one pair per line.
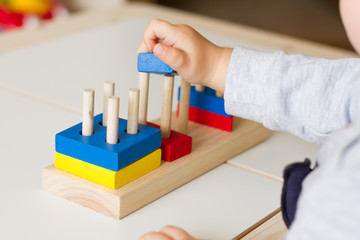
111, 165
175, 145
207, 108
112, 152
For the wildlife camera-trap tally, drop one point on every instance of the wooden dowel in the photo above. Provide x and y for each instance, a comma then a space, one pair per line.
144, 91
133, 111
219, 94
199, 88
166, 110
109, 90
88, 112
184, 106
113, 120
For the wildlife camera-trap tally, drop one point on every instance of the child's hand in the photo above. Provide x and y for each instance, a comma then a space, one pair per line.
194, 58
168, 233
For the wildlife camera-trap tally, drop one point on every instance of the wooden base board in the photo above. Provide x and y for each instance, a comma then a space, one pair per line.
211, 147
272, 227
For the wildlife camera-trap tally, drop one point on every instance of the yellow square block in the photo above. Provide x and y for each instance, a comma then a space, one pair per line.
106, 177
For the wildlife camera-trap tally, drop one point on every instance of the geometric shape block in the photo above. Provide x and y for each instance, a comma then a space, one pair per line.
210, 119
175, 147
106, 177
211, 147
207, 100
148, 62
95, 150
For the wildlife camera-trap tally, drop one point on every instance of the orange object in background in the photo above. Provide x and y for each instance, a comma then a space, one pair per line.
37, 7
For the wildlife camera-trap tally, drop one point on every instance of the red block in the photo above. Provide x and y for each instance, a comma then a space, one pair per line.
210, 119
177, 146
9, 20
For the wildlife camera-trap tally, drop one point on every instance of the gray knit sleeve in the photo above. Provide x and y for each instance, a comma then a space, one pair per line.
306, 96
328, 206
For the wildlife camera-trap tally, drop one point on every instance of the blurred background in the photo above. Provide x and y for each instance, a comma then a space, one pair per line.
315, 20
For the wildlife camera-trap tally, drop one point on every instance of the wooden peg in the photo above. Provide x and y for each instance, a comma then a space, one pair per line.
166, 110
184, 106
219, 94
109, 90
113, 120
144, 91
199, 88
88, 112
133, 111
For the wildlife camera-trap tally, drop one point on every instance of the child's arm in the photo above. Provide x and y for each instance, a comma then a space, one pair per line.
308, 97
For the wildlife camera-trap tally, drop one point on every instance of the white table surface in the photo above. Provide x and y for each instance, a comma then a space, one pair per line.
40, 94
270, 157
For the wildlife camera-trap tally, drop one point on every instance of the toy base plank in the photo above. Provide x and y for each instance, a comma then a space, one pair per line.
106, 177
211, 147
175, 147
272, 227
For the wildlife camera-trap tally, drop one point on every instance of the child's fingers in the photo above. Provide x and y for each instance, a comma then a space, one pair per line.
159, 31
168, 233
155, 236
176, 233
175, 58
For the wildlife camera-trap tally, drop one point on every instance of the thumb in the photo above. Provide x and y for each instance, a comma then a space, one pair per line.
175, 58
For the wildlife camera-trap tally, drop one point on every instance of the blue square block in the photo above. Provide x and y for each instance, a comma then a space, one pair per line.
148, 62
207, 100
95, 150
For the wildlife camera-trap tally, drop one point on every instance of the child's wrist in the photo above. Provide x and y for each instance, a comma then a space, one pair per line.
217, 81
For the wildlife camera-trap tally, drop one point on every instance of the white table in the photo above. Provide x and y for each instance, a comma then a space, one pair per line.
40, 94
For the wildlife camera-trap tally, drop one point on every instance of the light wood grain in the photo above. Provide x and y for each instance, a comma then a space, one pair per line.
109, 90
219, 94
211, 147
133, 111
88, 112
144, 92
166, 109
272, 227
184, 107
112, 130
199, 88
